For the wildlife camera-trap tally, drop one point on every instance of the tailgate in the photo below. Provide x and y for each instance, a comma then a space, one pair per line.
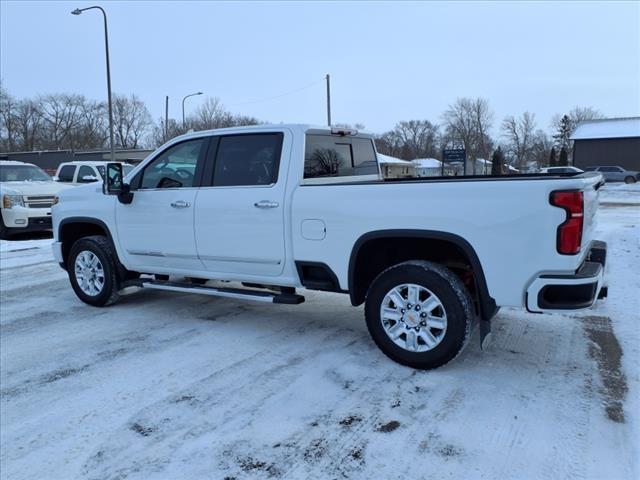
591, 190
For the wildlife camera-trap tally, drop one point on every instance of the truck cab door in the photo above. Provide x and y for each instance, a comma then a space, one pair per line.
240, 211
156, 228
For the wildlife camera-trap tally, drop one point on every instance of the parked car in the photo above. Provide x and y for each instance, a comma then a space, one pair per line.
565, 169
27, 193
84, 171
288, 206
616, 174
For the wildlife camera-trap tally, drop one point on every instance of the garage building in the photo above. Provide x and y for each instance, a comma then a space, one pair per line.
607, 142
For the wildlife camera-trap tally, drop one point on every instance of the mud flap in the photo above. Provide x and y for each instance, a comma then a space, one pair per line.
485, 334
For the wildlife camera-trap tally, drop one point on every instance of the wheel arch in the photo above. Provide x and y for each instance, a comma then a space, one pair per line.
449, 246
72, 229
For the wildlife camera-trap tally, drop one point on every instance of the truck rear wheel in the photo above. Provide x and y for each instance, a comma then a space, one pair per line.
92, 271
419, 314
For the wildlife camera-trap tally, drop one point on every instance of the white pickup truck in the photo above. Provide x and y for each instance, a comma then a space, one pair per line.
26, 196
289, 206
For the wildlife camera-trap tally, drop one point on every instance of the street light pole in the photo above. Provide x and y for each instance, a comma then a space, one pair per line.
78, 11
187, 96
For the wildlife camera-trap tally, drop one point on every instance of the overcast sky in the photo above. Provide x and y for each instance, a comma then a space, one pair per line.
388, 61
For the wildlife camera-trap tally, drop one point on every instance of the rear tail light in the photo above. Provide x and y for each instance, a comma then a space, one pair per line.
569, 235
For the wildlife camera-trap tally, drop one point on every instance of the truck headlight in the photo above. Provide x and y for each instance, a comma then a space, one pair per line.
56, 200
9, 201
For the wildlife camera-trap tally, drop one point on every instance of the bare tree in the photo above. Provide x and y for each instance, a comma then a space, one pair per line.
410, 139
541, 148
418, 138
131, 121
93, 130
161, 134
519, 133
62, 117
8, 106
29, 122
467, 124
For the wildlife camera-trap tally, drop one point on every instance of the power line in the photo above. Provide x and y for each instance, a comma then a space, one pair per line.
278, 96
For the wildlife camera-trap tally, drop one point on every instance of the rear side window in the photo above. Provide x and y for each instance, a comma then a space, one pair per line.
66, 173
243, 160
333, 156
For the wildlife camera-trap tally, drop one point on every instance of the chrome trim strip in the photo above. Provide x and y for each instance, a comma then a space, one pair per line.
149, 253
264, 261
146, 253
212, 292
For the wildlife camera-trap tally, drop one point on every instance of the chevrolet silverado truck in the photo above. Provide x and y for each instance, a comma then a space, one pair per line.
278, 208
27, 193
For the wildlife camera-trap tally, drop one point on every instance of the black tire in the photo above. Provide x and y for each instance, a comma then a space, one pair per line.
4, 231
455, 301
629, 180
101, 247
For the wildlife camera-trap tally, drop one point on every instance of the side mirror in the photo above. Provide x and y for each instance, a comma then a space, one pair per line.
89, 178
113, 183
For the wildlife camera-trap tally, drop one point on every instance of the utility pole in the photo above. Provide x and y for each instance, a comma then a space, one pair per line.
166, 118
328, 100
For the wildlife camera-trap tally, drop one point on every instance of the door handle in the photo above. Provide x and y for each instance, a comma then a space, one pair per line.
266, 204
180, 204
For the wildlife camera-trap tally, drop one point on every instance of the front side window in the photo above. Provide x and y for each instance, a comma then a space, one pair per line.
175, 167
245, 160
86, 171
66, 173
334, 156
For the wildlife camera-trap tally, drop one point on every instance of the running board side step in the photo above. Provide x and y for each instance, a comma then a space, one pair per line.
287, 297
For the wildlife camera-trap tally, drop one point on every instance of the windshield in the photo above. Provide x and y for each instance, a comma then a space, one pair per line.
21, 173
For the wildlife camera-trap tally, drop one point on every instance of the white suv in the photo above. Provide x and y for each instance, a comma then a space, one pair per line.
27, 194
84, 171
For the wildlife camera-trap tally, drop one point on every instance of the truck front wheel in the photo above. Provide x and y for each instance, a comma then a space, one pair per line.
92, 271
419, 313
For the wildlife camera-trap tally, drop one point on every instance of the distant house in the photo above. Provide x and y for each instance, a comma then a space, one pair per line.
49, 160
611, 141
427, 167
392, 167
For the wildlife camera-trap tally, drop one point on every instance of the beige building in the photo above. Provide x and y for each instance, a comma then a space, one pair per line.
392, 167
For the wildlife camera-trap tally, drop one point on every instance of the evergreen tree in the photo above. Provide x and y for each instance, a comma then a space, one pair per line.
563, 161
497, 161
563, 132
552, 157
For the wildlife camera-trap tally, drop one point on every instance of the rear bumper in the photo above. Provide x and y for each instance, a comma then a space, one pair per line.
580, 290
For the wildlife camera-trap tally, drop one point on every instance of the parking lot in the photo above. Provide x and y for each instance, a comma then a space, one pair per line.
166, 385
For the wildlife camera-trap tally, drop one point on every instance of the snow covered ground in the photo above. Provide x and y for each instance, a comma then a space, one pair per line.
171, 386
